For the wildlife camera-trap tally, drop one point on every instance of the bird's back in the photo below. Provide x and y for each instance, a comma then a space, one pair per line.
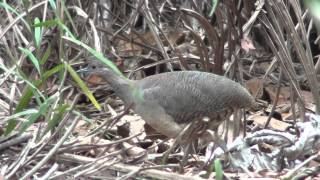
186, 95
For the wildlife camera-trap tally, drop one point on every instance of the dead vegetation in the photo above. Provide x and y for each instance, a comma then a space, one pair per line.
53, 127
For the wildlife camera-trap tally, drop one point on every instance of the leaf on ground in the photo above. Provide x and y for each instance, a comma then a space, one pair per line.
134, 153
261, 120
130, 125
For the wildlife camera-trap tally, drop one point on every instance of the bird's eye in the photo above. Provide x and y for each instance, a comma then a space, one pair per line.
93, 67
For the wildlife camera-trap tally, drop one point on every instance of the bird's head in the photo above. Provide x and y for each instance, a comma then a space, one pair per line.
104, 70
95, 67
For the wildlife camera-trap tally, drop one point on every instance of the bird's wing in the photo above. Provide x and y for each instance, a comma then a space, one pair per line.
184, 101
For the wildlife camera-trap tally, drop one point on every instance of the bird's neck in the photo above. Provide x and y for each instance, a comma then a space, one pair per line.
123, 87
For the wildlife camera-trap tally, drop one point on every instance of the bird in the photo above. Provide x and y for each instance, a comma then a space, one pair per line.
170, 101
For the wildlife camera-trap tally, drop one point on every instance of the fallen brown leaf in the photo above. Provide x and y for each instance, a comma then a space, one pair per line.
274, 123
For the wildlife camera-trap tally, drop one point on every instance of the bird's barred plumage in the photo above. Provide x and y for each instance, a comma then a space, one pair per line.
169, 101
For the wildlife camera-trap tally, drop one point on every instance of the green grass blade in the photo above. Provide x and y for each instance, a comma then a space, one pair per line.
57, 117
42, 111
66, 29
82, 85
96, 54
46, 55
52, 71
28, 92
218, 169
33, 59
26, 97
37, 33
11, 71
47, 23
314, 6
19, 114
10, 126
12, 123
89, 121
214, 4
53, 4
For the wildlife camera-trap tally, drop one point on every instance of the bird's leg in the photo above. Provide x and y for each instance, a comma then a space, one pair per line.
217, 140
175, 143
186, 151
220, 142
178, 140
